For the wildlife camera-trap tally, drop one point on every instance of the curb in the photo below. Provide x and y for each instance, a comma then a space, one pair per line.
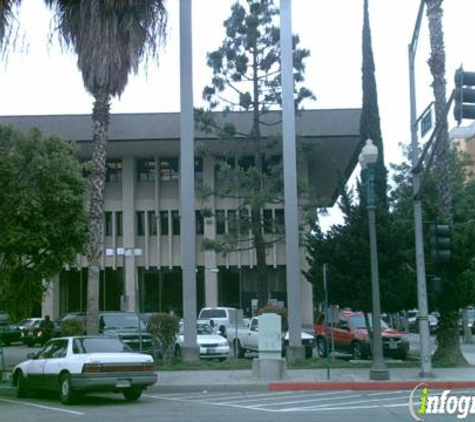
207, 388
367, 385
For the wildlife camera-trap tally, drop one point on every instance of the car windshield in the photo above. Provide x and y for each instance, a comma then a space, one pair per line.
358, 321
203, 329
99, 345
213, 313
120, 321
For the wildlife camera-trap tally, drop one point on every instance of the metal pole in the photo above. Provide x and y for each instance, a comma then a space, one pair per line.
378, 369
424, 333
327, 317
190, 350
292, 252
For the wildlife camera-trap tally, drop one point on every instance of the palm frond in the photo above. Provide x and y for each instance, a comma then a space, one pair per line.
110, 37
7, 17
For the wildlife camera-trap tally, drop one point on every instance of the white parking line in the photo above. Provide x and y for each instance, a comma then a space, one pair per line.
40, 406
290, 395
349, 402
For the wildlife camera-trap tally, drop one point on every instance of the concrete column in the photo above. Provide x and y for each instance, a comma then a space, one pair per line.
128, 206
295, 350
190, 350
50, 305
210, 262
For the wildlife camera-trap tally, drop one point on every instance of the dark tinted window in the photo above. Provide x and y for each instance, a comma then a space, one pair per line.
99, 345
213, 313
120, 321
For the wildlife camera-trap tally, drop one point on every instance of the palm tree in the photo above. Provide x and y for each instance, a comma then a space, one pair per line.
448, 349
7, 8
110, 38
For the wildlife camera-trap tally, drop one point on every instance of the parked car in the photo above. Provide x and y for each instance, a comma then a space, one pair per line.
222, 319
67, 317
9, 333
350, 335
129, 328
74, 366
38, 332
248, 340
412, 320
28, 322
212, 345
470, 320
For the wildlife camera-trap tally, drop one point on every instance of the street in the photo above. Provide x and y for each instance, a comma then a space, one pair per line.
232, 407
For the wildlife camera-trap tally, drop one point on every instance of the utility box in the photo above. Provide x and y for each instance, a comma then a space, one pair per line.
270, 336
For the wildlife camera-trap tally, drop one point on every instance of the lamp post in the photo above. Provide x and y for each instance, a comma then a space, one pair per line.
367, 159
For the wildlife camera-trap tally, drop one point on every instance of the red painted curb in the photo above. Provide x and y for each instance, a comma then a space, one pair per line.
367, 385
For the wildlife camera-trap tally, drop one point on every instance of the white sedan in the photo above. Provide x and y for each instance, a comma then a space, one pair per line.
74, 366
212, 345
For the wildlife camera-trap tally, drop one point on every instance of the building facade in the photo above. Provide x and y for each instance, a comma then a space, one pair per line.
141, 264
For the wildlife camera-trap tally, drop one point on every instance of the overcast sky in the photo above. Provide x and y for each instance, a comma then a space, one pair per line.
41, 80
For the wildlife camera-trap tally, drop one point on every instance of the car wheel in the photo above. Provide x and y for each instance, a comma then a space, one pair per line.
403, 355
22, 390
6, 343
357, 351
238, 350
132, 394
322, 347
66, 393
177, 351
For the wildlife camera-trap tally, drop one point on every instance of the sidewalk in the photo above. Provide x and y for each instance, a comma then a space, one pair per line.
309, 379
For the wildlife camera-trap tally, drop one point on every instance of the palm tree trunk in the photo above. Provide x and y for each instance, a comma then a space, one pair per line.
100, 118
448, 350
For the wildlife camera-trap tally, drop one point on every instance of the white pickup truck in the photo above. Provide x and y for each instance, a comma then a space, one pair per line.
222, 319
248, 338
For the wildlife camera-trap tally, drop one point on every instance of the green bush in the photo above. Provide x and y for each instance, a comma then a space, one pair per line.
279, 310
73, 327
164, 328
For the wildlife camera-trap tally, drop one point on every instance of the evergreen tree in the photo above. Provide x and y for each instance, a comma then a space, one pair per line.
247, 77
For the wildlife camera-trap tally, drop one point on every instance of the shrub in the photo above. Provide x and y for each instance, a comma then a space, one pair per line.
164, 328
73, 327
279, 310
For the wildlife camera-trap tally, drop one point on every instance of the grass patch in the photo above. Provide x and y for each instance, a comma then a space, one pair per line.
313, 363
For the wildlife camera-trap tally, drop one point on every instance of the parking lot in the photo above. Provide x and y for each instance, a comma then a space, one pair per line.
233, 407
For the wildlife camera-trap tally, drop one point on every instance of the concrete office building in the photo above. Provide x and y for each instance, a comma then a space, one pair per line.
141, 265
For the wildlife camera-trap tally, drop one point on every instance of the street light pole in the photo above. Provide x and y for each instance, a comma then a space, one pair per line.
368, 158
424, 333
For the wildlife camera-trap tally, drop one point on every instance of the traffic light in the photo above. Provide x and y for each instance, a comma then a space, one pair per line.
440, 242
464, 93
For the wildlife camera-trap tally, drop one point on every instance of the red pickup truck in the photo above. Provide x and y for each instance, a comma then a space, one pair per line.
350, 335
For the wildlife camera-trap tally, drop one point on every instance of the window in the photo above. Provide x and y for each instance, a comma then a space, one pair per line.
247, 161
114, 171
169, 169
175, 223
118, 223
220, 222
140, 223
222, 165
146, 169
267, 221
200, 226
152, 223
199, 168
108, 223
232, 222
270, 163
279, 222
164, 223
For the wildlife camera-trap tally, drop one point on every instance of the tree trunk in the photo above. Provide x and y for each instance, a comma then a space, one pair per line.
100, 118
448, 351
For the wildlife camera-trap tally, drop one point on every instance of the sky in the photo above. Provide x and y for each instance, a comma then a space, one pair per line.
38, 78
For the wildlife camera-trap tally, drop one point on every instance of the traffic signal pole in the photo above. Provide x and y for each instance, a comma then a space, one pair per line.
424, 333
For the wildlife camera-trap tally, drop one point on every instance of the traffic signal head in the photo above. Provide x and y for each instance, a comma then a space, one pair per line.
464, 95
440, 242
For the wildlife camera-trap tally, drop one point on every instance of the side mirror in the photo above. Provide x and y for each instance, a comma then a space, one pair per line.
31, 355
344, 325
